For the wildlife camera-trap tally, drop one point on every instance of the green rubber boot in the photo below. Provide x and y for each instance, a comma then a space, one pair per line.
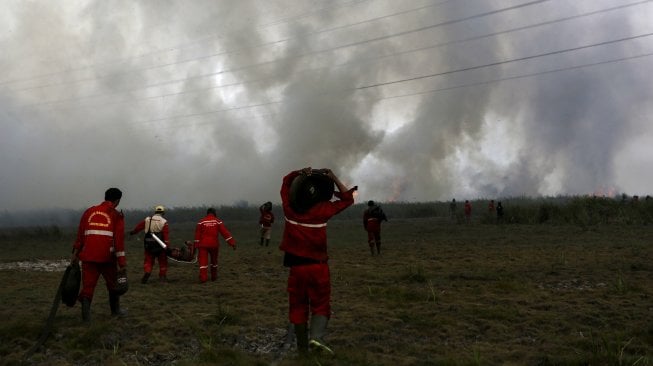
318, 330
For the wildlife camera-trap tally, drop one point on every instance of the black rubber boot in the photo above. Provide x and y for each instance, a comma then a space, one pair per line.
318, 330
267, 242
302, 338
146, 276
262, 241
372, 249
86, 310
114, 304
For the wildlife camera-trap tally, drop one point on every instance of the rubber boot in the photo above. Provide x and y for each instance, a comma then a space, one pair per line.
86, 310
163, 279
114, 304
372, 249
146, 276
302, 338
290, 336
267, 242
318, 330
262, 241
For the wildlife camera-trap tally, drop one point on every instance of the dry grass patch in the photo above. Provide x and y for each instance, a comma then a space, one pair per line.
440, 294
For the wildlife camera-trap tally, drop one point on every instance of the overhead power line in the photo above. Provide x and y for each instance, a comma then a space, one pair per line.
347, 63
179, 46
430, 91
192, 44
347, 45
449, 72
505, 61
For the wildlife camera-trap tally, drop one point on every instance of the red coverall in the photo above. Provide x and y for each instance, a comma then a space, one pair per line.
304, 235
101, 243
149, 258
206, 239
372, 224
265, 220
468, 211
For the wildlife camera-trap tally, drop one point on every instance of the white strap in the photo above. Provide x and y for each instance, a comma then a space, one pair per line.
99, 232
305, 225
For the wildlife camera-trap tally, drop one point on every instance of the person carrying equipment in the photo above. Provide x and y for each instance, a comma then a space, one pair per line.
154, 225
208, 243
265, 220
372, 218
306, 197
100, 245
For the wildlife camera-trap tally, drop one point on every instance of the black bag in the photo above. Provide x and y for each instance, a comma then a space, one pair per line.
70, 284
151, 245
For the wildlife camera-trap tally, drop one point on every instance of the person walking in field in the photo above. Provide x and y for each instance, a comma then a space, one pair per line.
265, 220
490, 208
208, 243
499, 212
468, 211
452, 209
154, 225
306, 198
100, 245
372, 218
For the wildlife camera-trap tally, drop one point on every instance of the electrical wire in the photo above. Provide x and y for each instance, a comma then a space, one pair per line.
347, 63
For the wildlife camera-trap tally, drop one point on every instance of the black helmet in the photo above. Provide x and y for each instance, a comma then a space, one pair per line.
307, 190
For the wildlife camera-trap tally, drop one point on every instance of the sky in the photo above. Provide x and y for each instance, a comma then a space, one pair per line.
194, 103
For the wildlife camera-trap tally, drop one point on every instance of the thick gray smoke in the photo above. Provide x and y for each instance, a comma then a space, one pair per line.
192, 103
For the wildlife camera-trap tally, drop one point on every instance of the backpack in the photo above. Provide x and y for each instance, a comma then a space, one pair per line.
150, 244
377, 212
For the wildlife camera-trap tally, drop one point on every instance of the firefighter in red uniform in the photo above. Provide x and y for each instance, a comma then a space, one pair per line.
207, 241
490, 208
154, 225
305, 245
468, 211
265, 220
100, 246
372, 218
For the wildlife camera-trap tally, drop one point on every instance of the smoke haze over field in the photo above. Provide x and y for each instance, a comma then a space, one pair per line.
212, 102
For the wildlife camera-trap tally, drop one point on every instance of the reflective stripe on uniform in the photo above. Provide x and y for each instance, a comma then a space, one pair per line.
204, 267
305, 225
99, 232
120, 254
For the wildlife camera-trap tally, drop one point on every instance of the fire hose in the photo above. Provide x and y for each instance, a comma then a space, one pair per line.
45, 332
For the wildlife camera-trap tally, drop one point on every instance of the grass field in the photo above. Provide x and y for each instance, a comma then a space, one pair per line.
440, 294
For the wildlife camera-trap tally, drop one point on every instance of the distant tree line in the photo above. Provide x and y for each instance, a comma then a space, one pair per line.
561, 210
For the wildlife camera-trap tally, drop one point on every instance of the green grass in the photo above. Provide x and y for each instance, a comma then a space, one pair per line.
440, 294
